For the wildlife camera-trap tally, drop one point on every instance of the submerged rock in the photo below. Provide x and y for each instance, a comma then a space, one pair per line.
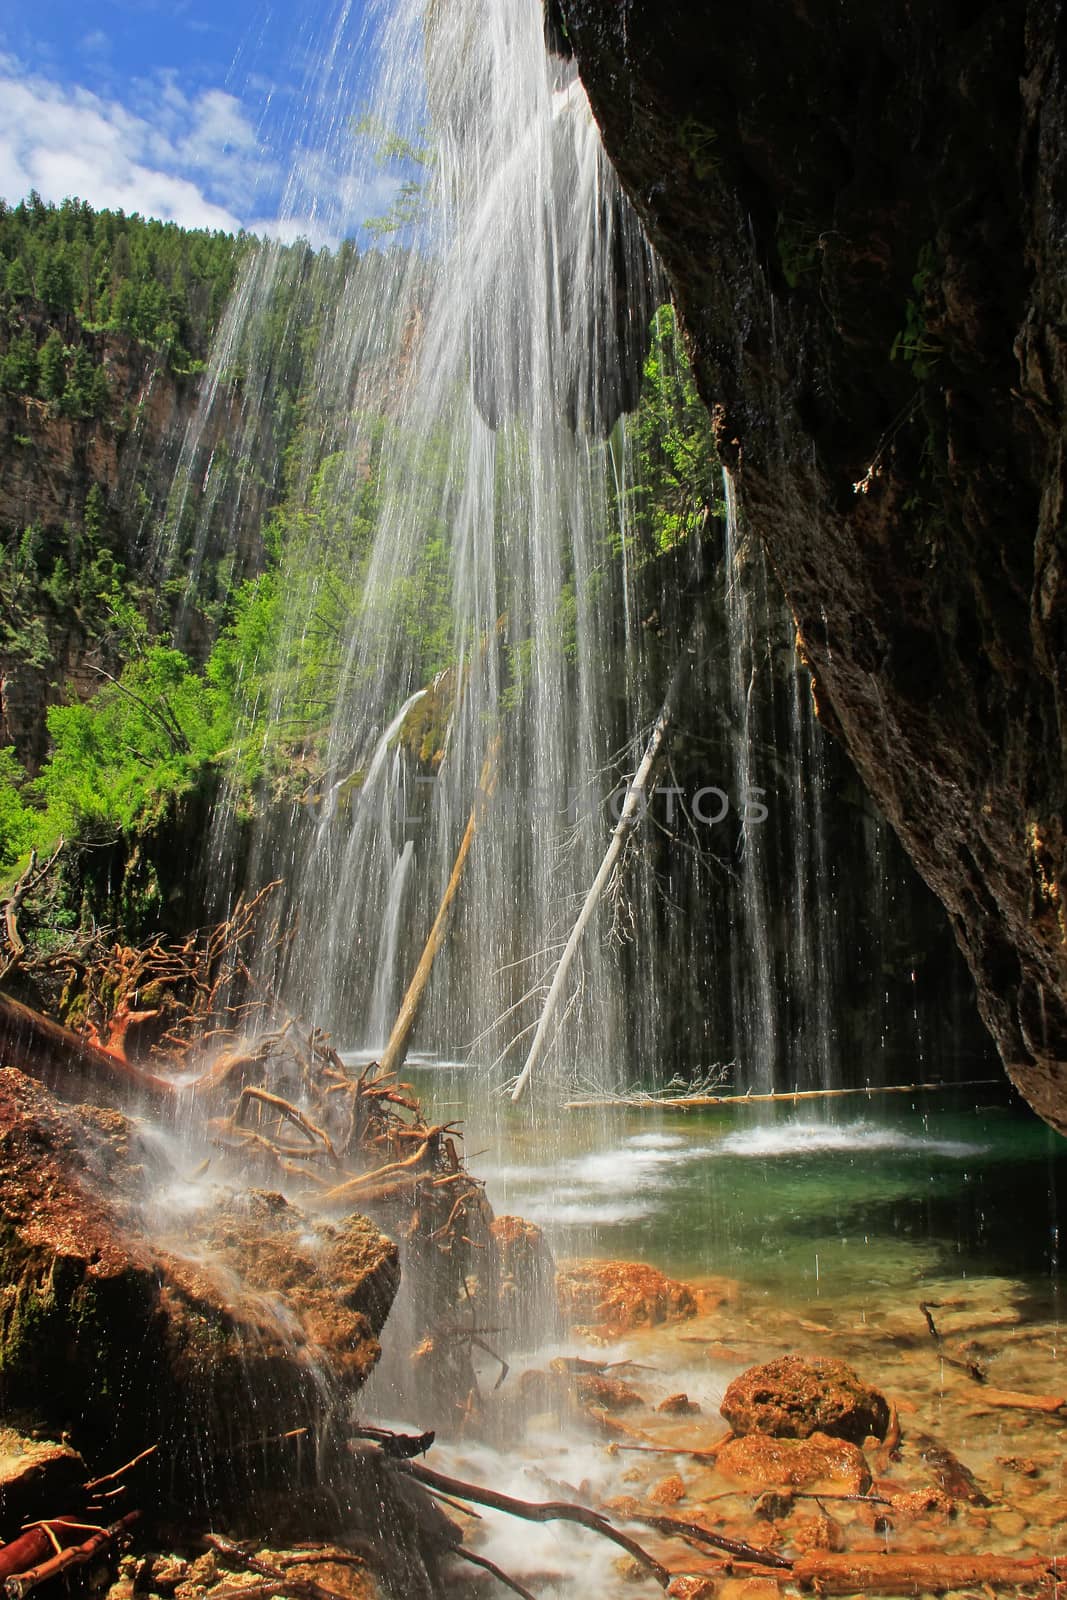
791, 1398
253, 1322
615, 1297
608, 1393
760, 1462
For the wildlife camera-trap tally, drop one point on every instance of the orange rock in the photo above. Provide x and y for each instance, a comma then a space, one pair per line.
668, 1491
819, 1532
608, 1393
791, 1398
617, 1296
759, 1463
623, 1505
920, 1503
679, 1405
692, 1589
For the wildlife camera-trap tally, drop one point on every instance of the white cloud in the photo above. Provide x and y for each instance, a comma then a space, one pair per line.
197, 162
196, 159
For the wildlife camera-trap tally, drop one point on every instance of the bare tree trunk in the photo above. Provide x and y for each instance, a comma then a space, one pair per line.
396, 1049
632, 812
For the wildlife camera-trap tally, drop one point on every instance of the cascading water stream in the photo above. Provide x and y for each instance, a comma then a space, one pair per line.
466, 482
386, 995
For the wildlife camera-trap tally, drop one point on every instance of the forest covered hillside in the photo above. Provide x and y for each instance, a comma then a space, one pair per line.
182, 548
113, 548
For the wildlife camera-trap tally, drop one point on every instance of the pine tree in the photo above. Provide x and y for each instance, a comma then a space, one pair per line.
18, 370
57, 281
77, 398
17, 285
99, 393
53, 367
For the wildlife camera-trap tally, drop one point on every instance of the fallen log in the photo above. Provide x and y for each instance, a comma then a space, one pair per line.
913, 1574
67, 1064
76, 1555
28, 1549
407, 1016
697, 1102
1017, 1400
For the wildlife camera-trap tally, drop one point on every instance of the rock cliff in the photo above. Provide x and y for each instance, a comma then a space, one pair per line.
863, 212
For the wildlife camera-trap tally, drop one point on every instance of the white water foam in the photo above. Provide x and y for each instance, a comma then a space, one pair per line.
817, 1138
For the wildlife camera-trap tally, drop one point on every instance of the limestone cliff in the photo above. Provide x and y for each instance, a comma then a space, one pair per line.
863, 211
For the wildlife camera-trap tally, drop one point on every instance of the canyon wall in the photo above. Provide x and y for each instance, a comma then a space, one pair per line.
863, 213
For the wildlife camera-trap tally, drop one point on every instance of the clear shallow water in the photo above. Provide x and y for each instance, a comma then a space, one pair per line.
869, 1198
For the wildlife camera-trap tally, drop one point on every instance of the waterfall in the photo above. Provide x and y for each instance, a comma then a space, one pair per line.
385, 997
468, 565
500, 345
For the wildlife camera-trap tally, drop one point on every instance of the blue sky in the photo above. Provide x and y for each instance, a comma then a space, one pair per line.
182, 109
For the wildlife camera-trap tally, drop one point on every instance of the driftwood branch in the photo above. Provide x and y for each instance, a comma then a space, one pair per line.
491, 1566
537, 1511
718, 1541
695, 1102
914, 1574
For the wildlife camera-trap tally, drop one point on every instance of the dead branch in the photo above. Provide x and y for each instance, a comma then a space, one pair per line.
491, 1566
632, 811
701, 1535
973, 1368
914, 1574
1016, 1400
285, 1109
120, 1472
20, 1584
276, 1578
537, 1511
27, 883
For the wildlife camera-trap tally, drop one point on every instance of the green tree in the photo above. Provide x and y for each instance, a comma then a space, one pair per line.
17, 285
57, 281
18, 822
18, 370
53, 367
78, 394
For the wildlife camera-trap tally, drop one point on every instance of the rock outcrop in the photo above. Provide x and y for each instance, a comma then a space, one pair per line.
863, 212
129, 1314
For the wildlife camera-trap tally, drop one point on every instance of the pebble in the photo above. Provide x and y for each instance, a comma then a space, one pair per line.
668, 1491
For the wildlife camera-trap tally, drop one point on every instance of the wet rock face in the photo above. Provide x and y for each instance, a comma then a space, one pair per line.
247, 1321
863, 211
791, 1399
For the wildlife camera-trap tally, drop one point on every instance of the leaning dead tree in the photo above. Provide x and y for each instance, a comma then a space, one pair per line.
396, 1049
633, 810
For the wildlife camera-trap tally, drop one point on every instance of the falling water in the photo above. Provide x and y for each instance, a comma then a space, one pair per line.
755, 1007
501, 345
385, 999
464, 469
